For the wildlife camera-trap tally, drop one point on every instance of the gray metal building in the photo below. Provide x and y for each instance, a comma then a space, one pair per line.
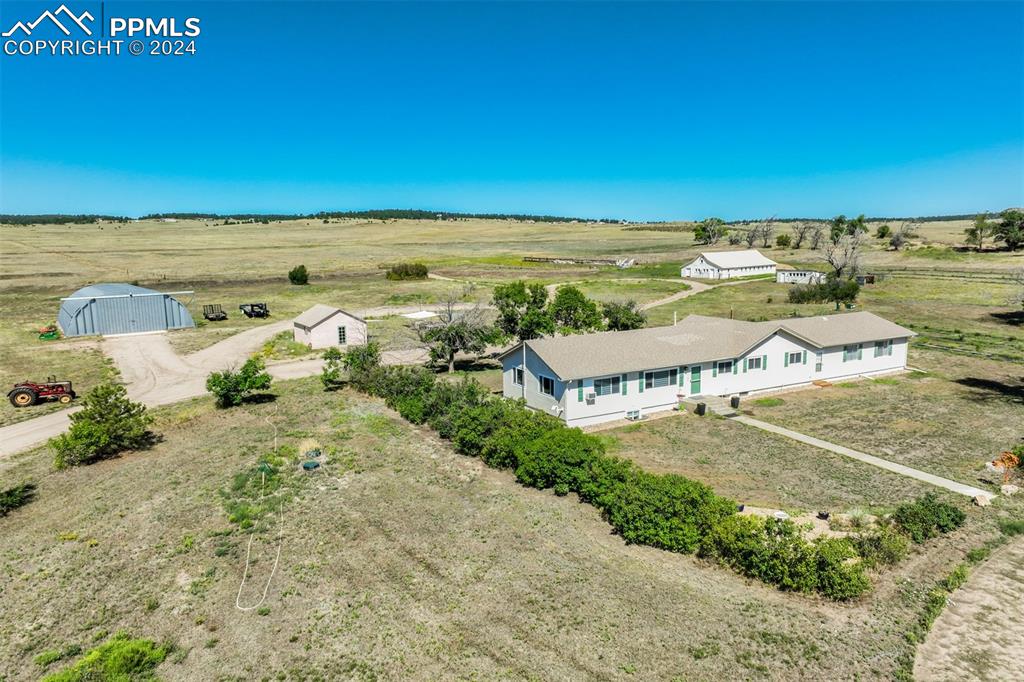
121, 309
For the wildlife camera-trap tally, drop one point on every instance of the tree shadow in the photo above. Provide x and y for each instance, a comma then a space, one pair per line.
260, 398
1013, 317
991, 389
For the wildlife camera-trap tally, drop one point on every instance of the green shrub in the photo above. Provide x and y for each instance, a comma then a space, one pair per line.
120, 659
362, 359
884, 546
330, 376
927, 517
16, 497
659, 510
401, 271
108, 424
298, 275
783, 241
232, 388
1012, 527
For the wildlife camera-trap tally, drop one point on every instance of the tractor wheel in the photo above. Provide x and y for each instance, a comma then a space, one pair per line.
64, 399
22, 397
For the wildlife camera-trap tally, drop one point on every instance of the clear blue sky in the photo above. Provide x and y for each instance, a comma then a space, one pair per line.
643, 111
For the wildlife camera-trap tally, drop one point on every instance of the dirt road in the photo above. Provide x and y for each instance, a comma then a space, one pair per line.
980, 635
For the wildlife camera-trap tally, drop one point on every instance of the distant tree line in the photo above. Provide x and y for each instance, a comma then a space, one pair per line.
57, 218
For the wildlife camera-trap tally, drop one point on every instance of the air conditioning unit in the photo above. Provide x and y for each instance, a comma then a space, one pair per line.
633, 415
591, 397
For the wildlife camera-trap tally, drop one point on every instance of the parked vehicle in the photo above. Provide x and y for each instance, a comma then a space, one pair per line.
29, 393
255, 309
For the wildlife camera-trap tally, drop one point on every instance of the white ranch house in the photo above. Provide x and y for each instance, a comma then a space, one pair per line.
323, 326
729, 264
593, 378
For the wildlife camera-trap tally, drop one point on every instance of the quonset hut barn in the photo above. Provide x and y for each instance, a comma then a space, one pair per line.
121, 309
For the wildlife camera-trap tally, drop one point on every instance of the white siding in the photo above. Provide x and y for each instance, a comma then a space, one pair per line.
325, 334
799, 277
702, 269
777, 371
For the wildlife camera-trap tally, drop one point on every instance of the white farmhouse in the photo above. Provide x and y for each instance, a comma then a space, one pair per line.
323, 326
728, 264
593, 378
799, 277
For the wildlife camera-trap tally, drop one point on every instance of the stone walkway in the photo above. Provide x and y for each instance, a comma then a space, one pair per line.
938, 481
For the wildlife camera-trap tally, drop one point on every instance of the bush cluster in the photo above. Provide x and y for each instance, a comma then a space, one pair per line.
109, 423
927, 517
298, 275
659, 510
16, 497
400, 271
232, 388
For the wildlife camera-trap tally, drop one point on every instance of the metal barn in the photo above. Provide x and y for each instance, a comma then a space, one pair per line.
121, 309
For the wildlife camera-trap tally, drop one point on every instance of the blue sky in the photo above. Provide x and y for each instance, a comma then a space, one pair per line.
643, 111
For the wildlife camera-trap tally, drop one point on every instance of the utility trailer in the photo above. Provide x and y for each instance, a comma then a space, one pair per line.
214, 313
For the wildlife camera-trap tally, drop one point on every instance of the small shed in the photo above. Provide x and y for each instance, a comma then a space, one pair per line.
121, 309
324, 326
799, 277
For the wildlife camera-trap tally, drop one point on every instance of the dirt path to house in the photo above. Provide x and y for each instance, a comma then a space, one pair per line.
980, 634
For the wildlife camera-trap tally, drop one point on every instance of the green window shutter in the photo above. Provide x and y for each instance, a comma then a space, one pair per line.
803, 359
714, 370
625, 383
744, 365
682, 373
579, 391
735, 366
764, 362
785, 359
860, 351
641, 375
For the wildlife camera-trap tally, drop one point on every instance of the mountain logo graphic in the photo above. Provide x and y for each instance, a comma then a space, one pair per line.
78, 20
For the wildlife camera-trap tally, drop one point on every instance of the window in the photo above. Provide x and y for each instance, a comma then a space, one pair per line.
725, 367
851, 353
341, 336
660, 379
795, 358
606, 386
883, 348
547, 385
754, 363
517, 376
817, 361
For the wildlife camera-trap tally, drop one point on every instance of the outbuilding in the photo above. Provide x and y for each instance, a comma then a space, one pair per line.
799, 277
729, 264
324, 326
121, 309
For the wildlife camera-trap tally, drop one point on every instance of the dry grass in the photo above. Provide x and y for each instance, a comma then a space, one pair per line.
402, 561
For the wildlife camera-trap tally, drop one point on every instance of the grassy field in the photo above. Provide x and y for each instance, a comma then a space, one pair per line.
399, 560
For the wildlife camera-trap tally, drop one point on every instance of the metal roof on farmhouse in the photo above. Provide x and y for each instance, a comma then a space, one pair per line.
318, 314
726, 260
698, 338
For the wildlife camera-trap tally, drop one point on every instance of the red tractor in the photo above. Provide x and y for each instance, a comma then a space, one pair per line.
29, 393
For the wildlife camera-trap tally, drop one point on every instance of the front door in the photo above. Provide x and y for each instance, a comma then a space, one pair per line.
695, 380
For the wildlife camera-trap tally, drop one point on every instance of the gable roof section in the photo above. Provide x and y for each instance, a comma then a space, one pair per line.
698, 338
726, 260
319, 313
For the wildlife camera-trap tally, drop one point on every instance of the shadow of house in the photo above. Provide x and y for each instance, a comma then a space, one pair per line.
991, 389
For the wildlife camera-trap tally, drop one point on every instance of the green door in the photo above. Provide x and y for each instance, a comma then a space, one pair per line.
695, 380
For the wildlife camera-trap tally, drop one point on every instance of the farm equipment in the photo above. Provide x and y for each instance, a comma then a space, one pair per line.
29, 392
255, 309
214, 313
49, 333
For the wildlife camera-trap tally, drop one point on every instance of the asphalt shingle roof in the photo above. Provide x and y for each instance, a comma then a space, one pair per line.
698, 338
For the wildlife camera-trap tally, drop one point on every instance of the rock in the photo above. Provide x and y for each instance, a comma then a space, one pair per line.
781, 515
982, 500
1009, 489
